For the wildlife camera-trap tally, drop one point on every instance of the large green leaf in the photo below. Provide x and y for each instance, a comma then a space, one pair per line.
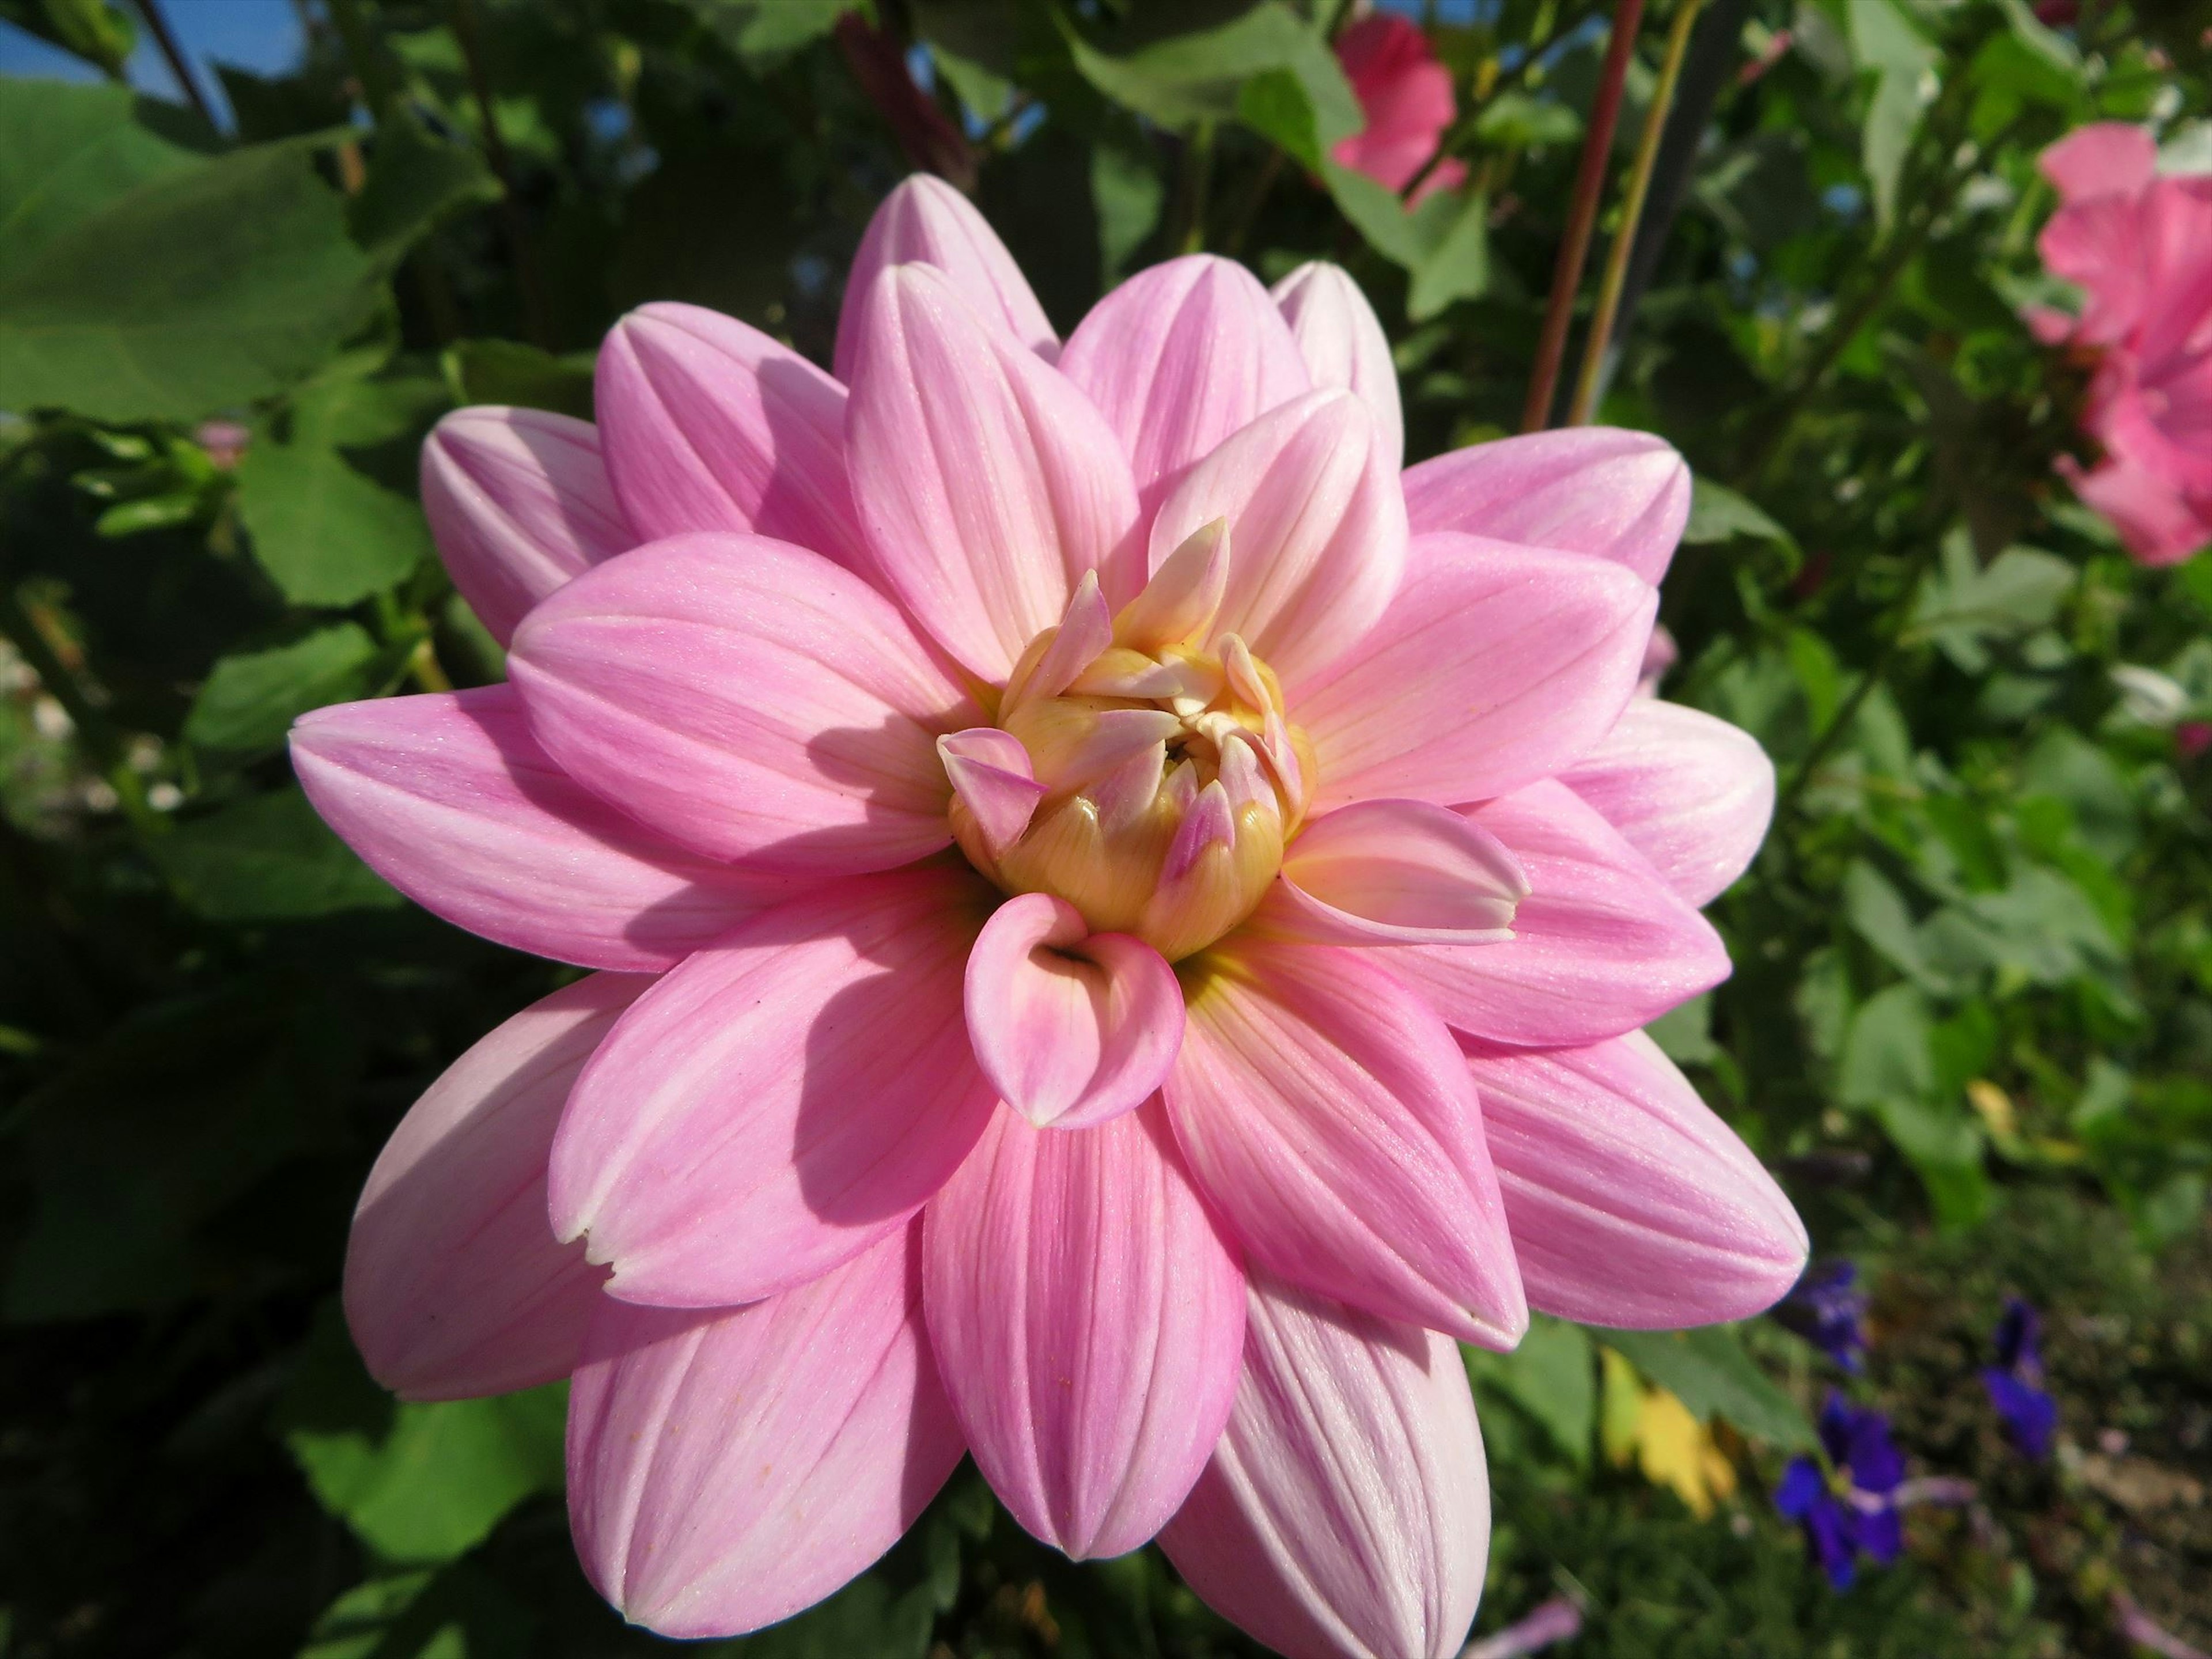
1552, 1376
268, 858
1885, 40
415, 179
1201, 75
1709, 1371
251, 697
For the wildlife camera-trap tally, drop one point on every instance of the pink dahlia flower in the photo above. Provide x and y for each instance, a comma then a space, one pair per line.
1406, 96
2140, 248
1123, 924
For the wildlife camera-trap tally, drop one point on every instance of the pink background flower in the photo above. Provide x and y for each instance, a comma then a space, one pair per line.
1406, 96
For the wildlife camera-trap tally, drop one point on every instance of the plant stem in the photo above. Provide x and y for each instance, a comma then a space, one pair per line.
1600, 333
99, 736
365, 53
157, 25
1271, 170
1582, 217
1198, 183
496, 151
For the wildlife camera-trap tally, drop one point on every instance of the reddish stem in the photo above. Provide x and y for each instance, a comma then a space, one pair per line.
1582, 216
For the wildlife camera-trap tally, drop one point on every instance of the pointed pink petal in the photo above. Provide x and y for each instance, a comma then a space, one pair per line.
709, 424
1495, 666
1316, 530
1327, 1115
991, 773
451, 799
1600, 945
454, 1284
519, 502
1631, 1203
1088, 1321
729, 1467
1393, 871
749, 699
1072, 1027
986, 485
778, 1103
1345, 1514
1692, 794
1180, 356
1343, 343
1620, 495
926, 221
2104, 158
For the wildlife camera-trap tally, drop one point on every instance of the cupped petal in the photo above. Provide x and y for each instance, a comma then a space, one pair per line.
749, 699
991, 771
1088, 1323
1600, 945
710, 425
1345, 1514
780, 1103
1316, 530
1329, 1116
2104, 158
1632, 1203
450, 798
1692, 794
1619, 495
519, 502
454, 1284
926, 221
1072, 1027
728, 1467
1343, 343
987, 483
1495, 666
1395, 871
1181, 355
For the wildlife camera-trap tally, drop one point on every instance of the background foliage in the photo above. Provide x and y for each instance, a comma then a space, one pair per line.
1972, 1019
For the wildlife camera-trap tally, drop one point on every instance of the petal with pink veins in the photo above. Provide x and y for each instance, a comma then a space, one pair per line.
1495, 666
519, 502
1327, 1115
1632, 1203
728, 1467
1343, 343
1345, 1514
1618, 495
926, 221
1072, 1027
454, 1284
1395, 871
709, 424
987, 483
1691, 793
992, 774
1600, 945
450, 798
778, 1103
749, 699
1316, 530
1181, 355
1088, 1321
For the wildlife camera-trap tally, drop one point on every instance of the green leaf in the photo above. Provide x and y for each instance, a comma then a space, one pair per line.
1963, 605
1717, 514
1878, 914
1709, 1371
94, 30
1458, 266
1885, 1055
1552, 1376
1684, 1032
267, 858
382, 1618
1516, 120
415, 180
508, 372
1273, 104
1127, 194
251, 698
1201, 75
764, 32
1887, 40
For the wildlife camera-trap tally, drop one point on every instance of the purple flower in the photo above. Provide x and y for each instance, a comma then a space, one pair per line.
2015, 1382
1828, 1310
1855, 1512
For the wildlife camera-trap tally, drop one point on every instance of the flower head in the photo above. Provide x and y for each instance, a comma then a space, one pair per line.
1406, 97
2016, 1387
1828, 1308
1850, 1508
1123, 921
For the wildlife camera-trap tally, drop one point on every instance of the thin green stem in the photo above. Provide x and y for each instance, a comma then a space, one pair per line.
97, 735
1198, 187
502, 164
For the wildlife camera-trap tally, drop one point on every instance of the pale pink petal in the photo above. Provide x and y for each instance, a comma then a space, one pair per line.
1180, 356
2104, 158
1494, 666
1316, 530
926, 221
1072, 1027
519, 502
1088, 1321
1327, 1115
1398, 872
454, 1284
1600, 945
1692, 794
747, 698
777, 1104
1345, 1514
709, 424
1618, 495
1343, 343
729, 1467
450, 798
987, 484
991, 771
1632, 1203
